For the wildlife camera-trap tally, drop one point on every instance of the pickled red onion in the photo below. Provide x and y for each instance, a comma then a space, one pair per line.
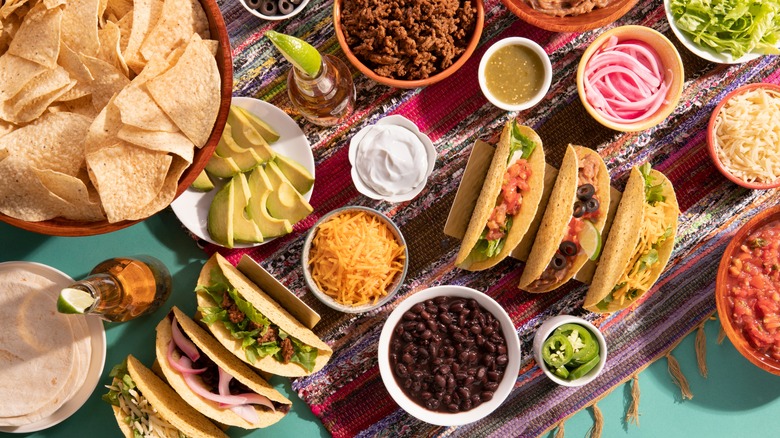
251, 397
624, 81
184, 344
183, 364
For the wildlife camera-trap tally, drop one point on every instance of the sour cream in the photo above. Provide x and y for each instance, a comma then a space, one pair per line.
391, 160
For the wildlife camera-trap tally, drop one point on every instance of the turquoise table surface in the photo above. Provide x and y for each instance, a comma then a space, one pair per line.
736, 400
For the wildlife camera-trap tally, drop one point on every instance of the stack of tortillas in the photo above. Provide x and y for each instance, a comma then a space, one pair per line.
44, 355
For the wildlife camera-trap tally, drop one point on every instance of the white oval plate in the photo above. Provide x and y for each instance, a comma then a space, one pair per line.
700, 51
192, 207
96, 362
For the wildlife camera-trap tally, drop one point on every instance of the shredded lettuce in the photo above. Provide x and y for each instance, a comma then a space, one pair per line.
303, 354
653, 193
738, 27
120, 372
519, 141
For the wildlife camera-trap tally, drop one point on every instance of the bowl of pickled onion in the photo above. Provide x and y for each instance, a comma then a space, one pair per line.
630, 78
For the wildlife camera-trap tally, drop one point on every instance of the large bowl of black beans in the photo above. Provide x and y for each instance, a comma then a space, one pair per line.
449, 355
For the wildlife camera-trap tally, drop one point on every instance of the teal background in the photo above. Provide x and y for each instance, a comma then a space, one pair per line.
736, 400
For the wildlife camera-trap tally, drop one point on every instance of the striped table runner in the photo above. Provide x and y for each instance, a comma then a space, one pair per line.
348, 394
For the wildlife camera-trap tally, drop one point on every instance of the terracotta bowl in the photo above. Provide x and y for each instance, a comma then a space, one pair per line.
64, 227
724, 309
472, 45
670, 59
579, 23
711, 139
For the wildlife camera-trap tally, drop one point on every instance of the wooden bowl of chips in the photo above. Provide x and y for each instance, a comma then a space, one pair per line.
134, 120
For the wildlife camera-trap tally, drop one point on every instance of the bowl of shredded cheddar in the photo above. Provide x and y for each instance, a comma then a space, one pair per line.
354, 259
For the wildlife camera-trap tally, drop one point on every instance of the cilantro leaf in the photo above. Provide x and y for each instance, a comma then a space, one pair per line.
520, 142
653, 193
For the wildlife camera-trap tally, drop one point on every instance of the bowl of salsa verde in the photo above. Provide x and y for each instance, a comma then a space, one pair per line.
747, 290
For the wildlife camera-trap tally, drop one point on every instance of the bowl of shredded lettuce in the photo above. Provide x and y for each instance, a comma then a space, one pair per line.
726, 31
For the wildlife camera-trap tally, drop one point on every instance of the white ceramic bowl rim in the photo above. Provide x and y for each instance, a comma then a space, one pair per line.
520, 41
330, 302
544, 332
430, 153
443, 418
257, 13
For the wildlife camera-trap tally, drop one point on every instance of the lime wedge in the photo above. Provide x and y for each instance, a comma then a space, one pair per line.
301, 54
74, 301
590, 240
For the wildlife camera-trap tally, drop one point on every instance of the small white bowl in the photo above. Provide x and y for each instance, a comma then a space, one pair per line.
329, 301
546, 330
403, 122
443, 418
546, 81
257, 13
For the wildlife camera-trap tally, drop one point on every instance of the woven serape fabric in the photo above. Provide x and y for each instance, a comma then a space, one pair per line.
348, 394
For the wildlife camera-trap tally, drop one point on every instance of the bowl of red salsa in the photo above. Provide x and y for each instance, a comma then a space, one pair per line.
747, 290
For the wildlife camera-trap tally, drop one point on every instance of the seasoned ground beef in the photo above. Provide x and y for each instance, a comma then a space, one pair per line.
408, 39
287, 350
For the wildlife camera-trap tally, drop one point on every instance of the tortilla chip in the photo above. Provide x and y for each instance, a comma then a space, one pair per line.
103, 130
32, 100
119, 8
179, 19
167, 192
15, 73
22, 196
189, 91
487, 200
140, 110
268, 307
225, 360
38, 39
127, 177
145, 16
10, 7
125, 25
108, 80
82, 105
172, 142
80, 26
74, 191
169, 405
109, 47
71, 61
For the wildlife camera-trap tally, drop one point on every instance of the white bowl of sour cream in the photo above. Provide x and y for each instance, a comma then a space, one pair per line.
391, 160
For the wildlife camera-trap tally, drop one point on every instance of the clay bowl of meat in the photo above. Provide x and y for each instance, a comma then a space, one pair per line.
569, 16
392, 50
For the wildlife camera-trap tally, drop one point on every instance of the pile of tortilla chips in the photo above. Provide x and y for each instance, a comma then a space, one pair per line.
101, 105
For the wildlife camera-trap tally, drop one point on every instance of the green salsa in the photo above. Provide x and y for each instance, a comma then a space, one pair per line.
514, 74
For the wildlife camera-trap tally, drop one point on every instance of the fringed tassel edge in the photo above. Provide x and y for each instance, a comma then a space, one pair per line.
632, 414
559, 432
678, 377
701, 349
598, 422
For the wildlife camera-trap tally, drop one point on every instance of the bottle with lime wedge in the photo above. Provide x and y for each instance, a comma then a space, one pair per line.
320, 85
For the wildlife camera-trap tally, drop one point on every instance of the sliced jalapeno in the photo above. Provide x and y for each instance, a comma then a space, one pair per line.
586, 348
561, 372
583, 369
557, 351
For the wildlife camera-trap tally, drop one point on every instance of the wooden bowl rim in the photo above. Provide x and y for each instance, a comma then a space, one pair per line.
579, 23
470, 48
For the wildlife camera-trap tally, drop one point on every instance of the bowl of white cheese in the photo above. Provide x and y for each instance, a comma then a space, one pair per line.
391, 160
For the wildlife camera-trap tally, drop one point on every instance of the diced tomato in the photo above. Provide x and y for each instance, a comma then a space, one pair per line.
514, 184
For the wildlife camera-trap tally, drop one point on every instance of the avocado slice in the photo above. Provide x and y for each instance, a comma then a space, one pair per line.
260, 188
285, 202
244, 229
222, 167
202, 182
220, 220
298, 176
246, 136
245, 159
264, 129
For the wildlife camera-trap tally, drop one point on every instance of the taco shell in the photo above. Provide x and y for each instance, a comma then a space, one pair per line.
624, 236
225, 360
556, 218
490, 192
169, 405
268, 307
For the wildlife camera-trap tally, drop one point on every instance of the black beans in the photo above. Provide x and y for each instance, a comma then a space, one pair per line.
448, 354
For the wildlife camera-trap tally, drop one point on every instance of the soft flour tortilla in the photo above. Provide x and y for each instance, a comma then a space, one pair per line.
487, 200
623, 239
558, 214
169, 405
271, 310
225, 360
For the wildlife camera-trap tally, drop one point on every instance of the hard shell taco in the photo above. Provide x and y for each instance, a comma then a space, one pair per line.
253, 326
211, 379
508, 200
144, 405
570, 232
640, 242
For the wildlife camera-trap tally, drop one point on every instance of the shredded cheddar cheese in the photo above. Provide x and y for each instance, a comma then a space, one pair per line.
355, 258
747, 135
637, 276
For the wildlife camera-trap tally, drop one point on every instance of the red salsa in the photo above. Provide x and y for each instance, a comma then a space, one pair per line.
753, 289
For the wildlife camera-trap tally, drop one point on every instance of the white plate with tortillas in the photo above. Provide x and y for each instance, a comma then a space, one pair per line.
49, 362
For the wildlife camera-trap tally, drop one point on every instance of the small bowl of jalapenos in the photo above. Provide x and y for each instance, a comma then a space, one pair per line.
570, 350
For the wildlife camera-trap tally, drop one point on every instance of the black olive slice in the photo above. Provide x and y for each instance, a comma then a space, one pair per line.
568, 248
585, 192
558, 261
579, 209
592, 205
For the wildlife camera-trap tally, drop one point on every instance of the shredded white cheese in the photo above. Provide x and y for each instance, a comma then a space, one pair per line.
747, 135
141, 416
